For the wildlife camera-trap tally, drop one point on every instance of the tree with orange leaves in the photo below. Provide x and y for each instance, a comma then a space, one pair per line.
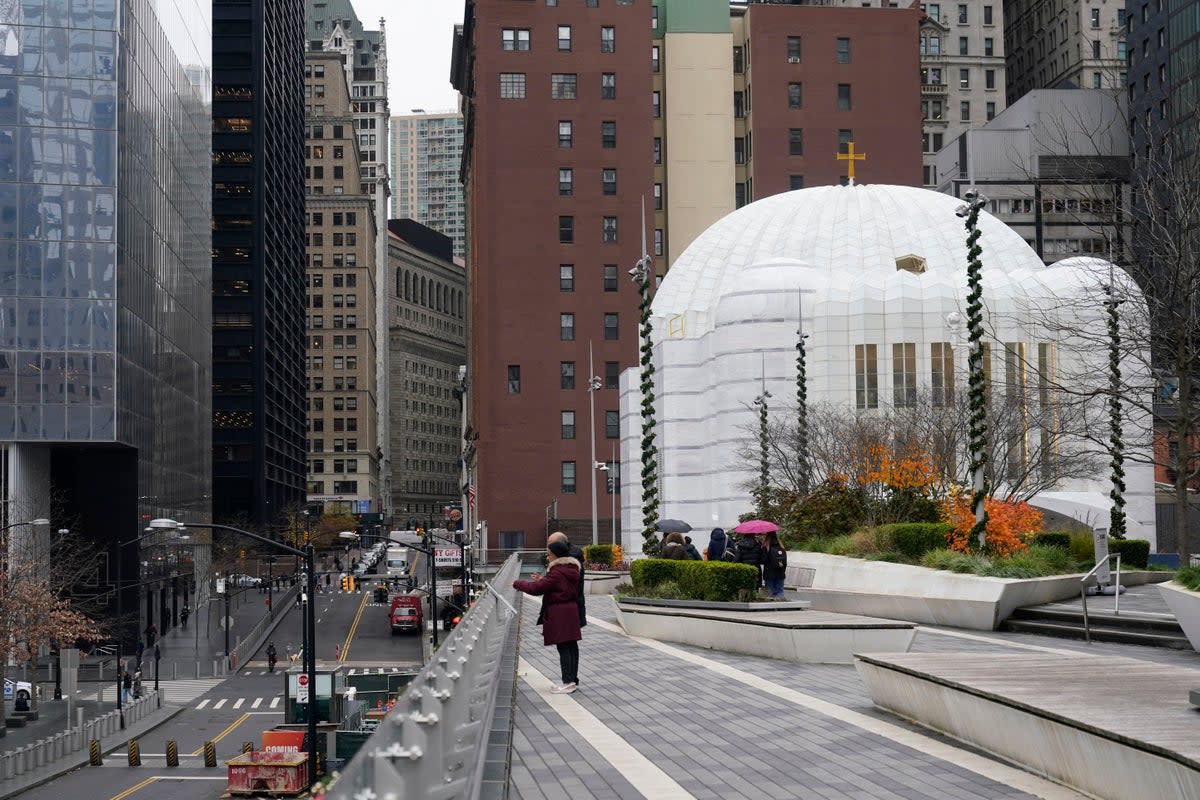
1008, 523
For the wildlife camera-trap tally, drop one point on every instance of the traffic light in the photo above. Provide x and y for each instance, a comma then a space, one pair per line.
345, 583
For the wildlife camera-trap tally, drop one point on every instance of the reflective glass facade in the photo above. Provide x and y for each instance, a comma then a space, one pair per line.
105, 215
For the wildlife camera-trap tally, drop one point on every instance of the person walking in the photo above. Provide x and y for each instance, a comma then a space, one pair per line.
674, 547
137, 685
272, 657
692, 553
749, 550
184, 614
577, 554
151, 634
774, 566
559, 589
716, 544
126, 685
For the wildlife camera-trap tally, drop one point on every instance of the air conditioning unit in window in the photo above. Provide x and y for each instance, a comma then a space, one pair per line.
794, 60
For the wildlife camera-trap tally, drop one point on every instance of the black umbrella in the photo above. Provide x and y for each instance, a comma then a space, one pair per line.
673, 526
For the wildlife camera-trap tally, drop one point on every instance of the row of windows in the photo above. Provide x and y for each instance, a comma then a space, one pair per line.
795, 51
316, 383
566, 333
933, 76
566, 133
339, 487
566, 278
337, 259
932, 45
340, 424
339, 445
316, 280
520, 39
338, 218
566, 181
317, 321
429, 293
612, 424
339, 362
317, 403
563, 85
318, 131
340, 465
338, 300
936, 110
566, 230
566, 371
338, 342
934, 10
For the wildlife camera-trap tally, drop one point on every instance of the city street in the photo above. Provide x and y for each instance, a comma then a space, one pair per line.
237, 709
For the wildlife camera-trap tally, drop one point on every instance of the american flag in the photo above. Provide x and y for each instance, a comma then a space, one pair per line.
470, 496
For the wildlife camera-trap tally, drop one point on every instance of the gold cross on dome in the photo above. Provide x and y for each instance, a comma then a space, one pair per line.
851, 156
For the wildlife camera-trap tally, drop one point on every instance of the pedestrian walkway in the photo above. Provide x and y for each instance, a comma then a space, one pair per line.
183, 692
665, 721
259, 703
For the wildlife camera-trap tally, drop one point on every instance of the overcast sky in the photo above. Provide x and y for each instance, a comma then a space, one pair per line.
419, 36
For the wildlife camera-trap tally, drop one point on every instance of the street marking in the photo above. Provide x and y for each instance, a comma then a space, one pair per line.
238, 703
199, 751
257, 702
640, 771
353, 628
220, 703
274, 702
134, 788
203, 703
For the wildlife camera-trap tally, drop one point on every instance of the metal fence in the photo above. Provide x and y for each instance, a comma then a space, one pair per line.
434, 742
253, 639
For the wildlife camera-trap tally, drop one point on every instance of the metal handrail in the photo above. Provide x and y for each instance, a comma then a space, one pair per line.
1087, 630
434, 741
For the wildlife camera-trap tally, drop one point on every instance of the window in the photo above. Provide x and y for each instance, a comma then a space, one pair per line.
608, 230
608, 181
655, 58
843, 50
657, 150
866, 376
564, 38
794, 95
608, 134
793, 49
612, 374
962, 46
566, 327
739, 195
795, 141
612, 425
739, 59
989, 79
964, 111
987, 15
1095, 18
658, 197
843, 100
566, 374
612, 327
566, 230
514, 378
608, 86
988, 46
962, 14
739, 149
608, 39
566, 277
610, 277
514, 39
656, 105
567, 425
845, 137
990, 110
904, 375
1095, 48
658, 241
795, 182
964, 79
563, 86
566, 181
566, 133
512, 85
568, 477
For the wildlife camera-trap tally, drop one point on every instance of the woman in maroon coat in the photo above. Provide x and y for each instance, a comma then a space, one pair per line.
559, 589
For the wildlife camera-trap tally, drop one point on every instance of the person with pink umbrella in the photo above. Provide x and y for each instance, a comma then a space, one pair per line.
749, 549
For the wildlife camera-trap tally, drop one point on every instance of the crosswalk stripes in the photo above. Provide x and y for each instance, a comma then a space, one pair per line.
236, 703
183, 692
275, 702
257, 702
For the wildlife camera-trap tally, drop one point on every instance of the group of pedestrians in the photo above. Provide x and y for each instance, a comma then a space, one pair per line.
768, 555
131, 679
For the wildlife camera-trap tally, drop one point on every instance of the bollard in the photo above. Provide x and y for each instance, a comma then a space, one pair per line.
197, 670
247, 747
210, 754
39, 753
94, 753
135, 755
216, 669
172, 753
174, 670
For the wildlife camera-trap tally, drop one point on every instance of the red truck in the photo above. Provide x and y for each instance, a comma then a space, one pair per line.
405, 614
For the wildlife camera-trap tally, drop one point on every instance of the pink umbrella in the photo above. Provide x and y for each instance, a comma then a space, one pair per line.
754, 527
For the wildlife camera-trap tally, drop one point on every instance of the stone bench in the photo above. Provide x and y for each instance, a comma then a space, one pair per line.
15, 722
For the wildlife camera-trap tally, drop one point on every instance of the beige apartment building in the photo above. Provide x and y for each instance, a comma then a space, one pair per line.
1052, 44
426, 155
342, 349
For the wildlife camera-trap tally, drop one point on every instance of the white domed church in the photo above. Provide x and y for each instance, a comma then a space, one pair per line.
875, 276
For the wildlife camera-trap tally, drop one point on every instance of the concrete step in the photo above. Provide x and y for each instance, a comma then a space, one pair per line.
1106, 618
1099, 633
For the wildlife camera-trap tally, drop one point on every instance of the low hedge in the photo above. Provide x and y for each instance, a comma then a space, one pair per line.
1135, 553
599, 554
1189, 577
697, 580
1059, 539
915, 539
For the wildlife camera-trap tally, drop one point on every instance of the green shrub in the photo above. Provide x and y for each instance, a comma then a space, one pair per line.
893, 557
1134, 552
1038, 561
1083, 550
954, 561
599, 554
915, 539
843, 546
695, 580
1059, 539
1189, 577
647, 572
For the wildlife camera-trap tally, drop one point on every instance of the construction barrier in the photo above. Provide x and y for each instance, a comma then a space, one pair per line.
210, 754
94, 753
172, 753
247, 747
135, 754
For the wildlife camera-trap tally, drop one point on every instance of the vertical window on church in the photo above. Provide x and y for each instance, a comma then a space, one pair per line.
1046, 371
1014, 391
904, 375
941, 360
866, 376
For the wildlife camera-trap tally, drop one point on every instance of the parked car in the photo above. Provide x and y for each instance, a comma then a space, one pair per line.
20, 690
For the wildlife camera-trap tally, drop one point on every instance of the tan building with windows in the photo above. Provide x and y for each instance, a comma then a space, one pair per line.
342, 352
1051, 45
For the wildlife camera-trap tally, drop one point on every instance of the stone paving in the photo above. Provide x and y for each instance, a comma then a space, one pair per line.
722, 725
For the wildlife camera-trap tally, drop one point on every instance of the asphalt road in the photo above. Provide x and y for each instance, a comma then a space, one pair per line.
238, 709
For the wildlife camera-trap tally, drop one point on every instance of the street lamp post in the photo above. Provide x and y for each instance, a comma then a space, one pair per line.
310, 622
594, 384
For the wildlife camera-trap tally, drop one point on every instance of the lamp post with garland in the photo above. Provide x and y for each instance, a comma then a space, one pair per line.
641, 275
977, 380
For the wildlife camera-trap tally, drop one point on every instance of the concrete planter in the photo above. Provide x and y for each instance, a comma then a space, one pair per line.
717, 605
600, 582
933, 597
1185, 605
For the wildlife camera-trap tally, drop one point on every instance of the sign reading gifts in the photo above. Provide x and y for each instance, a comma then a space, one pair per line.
447, 557
283, 741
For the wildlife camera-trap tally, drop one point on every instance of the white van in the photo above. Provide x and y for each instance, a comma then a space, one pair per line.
396, 562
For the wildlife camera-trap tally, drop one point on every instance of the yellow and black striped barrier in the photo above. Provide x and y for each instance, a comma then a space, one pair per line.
135, 754
320, 764
94, 753
172, 753
210, 754
247, 747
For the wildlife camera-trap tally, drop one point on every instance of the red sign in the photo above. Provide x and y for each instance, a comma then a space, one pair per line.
282, 741
302, 679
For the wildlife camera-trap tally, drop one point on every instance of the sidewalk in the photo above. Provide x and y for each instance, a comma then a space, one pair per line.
665, 721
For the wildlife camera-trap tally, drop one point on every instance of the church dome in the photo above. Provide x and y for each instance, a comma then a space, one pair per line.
842, 238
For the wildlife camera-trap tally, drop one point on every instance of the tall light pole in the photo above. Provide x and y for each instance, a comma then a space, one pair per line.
977, 386
310, 620
611, 478
593, 386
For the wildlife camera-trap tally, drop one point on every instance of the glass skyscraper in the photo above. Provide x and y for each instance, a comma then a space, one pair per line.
105, 272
